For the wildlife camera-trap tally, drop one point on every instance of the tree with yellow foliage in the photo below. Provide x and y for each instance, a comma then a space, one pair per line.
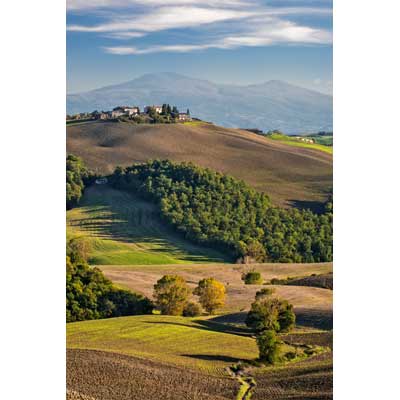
211, 294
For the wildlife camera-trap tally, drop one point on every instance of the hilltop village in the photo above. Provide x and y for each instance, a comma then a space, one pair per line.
150, 114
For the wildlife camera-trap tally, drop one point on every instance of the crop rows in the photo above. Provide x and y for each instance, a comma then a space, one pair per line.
109, 376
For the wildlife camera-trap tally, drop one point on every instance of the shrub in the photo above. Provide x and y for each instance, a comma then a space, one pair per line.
268, 347
191, 310
252, 278
271, 314
171, 293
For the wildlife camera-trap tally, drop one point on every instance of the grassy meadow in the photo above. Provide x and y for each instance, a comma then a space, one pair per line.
124, 230
194, 343
291, 141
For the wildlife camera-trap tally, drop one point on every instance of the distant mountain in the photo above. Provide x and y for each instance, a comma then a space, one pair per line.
270, 105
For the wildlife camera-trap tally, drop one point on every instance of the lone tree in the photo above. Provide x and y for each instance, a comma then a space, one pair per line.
171, 294
270, 313
268, 346
211, 294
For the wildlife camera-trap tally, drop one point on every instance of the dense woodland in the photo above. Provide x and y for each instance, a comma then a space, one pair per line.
90, 295
77, 177
210, 208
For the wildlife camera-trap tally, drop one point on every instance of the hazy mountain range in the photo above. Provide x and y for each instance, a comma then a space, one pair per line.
270, 105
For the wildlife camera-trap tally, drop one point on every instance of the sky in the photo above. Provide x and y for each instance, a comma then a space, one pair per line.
225, 41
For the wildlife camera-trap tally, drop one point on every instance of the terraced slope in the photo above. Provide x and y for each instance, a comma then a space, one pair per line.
290, 175
122, 229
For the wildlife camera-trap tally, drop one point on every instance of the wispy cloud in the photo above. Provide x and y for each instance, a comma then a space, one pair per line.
230, 24
75, 5
278, 32
165, 18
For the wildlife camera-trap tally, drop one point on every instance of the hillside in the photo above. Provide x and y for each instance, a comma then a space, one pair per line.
291, 176
269, 105
313, 305
122, 229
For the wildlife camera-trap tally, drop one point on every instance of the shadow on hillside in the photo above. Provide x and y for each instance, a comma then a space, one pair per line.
234, 318
209, 326
319, 319
310, 318
315, 206
108, 219
209, 357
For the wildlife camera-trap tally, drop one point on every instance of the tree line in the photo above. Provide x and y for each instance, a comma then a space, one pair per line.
78, 176
217, 210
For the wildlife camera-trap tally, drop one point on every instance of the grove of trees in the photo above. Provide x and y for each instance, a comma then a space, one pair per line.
220, 211
171, 294
90, 295
77, 177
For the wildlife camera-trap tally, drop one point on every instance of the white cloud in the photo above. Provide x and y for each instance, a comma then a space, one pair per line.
229, 24
165, 18
76, 5
276, 32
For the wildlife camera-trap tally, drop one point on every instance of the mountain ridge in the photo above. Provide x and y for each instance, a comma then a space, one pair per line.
273, 104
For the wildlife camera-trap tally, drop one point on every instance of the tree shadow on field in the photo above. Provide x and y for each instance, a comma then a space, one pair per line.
209, 326
131, 220
320, 319
210, 357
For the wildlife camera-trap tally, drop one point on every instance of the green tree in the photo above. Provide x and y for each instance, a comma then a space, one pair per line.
171, 293
268, 346
211, 294
271, 313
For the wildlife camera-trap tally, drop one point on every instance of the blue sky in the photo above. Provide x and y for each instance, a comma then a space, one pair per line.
225, 41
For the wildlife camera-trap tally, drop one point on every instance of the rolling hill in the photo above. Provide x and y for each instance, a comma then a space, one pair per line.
270, 105
124, 230
291, 176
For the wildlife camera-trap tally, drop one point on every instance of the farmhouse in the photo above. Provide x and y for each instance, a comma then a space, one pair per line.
132, 110
105, 115
158, 109
305, 140
184, 117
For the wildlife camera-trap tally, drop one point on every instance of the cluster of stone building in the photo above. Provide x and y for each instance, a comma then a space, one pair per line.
129, 111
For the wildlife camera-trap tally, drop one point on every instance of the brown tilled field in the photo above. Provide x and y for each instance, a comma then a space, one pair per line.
291, 176
109, 376
308, 379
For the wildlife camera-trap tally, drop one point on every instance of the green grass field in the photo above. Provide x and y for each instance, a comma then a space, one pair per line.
124, 230
294, 142
195, 343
